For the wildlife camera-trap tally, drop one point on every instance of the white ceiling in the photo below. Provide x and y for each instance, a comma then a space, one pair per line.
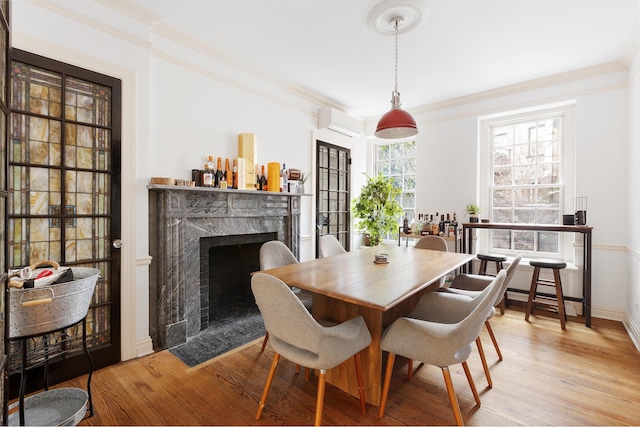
463, 47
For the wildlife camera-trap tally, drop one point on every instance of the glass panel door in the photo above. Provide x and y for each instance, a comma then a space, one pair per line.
64, 188
333, 193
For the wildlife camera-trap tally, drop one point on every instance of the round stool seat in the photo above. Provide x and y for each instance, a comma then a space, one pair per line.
492, 257
547, 263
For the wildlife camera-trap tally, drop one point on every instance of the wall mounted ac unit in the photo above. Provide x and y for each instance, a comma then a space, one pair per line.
337, 121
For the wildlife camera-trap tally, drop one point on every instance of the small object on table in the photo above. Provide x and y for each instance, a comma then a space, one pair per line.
381, 259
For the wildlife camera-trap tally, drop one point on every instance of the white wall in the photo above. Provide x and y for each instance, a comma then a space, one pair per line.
632, 295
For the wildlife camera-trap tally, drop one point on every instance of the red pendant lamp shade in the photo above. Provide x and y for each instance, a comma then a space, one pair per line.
396, 123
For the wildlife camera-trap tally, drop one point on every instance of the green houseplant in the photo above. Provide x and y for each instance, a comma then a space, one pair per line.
377, 208
473, 210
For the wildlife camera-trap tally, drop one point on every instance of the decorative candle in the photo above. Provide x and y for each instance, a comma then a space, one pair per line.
273, 176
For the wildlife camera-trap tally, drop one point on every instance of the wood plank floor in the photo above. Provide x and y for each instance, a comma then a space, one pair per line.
583, 376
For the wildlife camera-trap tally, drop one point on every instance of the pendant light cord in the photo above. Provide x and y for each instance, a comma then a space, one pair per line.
396, 69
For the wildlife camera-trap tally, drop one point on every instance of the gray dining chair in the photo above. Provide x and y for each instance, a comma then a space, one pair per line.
275, 254
329, 245
433, 242
471, 285
441, 343
297, 336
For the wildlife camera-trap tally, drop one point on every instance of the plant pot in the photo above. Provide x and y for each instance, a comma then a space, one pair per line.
473, 218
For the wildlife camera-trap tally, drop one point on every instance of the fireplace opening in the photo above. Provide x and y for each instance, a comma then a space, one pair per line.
226, 264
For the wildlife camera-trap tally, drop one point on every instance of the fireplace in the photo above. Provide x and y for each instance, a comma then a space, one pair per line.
189, 224
226, 264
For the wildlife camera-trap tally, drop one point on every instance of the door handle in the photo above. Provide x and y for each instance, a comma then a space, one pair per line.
117, 243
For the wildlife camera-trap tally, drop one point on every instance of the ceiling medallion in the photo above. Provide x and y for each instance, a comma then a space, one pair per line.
411, 12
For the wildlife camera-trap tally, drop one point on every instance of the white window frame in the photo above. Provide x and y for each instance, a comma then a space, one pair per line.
376, 146
567, 174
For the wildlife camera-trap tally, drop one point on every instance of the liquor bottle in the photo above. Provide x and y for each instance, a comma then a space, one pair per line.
263, 180
454, 225
405, 224
434, 225
234, 173
283, 178
258, 185
207, 173
447, 222
228, 175
441, 225
219, 173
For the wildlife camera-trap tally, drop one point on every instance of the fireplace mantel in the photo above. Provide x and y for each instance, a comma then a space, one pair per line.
178, 218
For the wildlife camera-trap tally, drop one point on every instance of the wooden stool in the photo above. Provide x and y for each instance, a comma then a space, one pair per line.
549, 300
498, 259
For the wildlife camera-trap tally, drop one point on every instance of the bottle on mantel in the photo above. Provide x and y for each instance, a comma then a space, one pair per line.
234, 173
284, 182
263, 181
228, 175
207, 173
258, 185
219, 174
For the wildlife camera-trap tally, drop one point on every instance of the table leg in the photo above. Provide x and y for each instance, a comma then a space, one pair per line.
586, 278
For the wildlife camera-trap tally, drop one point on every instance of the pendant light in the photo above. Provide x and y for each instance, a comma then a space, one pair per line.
396, 123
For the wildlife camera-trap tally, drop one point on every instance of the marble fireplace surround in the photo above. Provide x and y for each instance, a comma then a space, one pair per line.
179, 217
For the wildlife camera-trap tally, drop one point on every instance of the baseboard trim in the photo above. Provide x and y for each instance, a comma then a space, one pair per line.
633, 330
144, 347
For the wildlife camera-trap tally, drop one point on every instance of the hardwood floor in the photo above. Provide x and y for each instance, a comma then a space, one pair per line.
583, 376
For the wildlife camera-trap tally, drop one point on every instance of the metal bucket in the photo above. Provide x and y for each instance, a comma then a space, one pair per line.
42, 310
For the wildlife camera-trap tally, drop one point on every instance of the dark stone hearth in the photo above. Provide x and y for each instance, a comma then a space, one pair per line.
179, 217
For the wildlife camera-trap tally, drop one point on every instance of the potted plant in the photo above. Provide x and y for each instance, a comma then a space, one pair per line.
473, 210
377, 208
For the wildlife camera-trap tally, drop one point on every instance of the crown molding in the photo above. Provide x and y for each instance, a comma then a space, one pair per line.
583, 73
187, 41
57, 8
132, 10
207, 72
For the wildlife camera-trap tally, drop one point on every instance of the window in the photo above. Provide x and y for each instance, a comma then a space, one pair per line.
398, 161
528, 174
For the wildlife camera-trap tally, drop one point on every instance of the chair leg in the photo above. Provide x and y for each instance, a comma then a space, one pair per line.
387, 380
532, 292
493, 339
363, 403
452, 396
267, 386
484, 362
559, 295
306, 374
264, 342
410, 369
322, 378
467, 372
482, 270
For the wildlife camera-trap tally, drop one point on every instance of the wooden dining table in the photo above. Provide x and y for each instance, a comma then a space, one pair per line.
352, 284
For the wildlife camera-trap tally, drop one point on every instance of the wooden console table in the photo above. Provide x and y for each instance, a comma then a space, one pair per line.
467, 246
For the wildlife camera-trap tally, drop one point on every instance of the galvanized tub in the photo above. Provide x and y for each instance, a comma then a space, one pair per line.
42, 310
57, 407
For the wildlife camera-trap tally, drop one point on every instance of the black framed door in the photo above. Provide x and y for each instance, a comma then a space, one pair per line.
64, 191
333, 213
5, 42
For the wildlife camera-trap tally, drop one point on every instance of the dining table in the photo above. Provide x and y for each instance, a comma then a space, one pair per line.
354, 284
